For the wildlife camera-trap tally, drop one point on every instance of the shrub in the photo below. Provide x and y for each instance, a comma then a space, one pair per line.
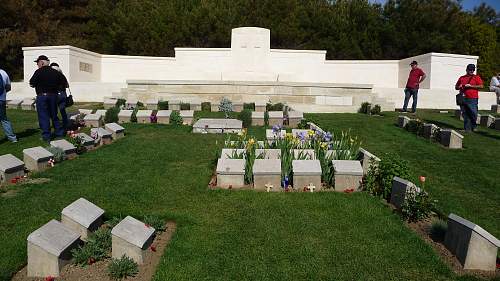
140, 105
111, 115
274, 107
120, 103
205, 106
249, 106
175, 118
162, 105
57, 152
415, 126
156, 222
226, 106
76, 141
185, 106
376, 110
365, 108
417, 205
246, 116
266, 118
121, 268
133, 117
303, 124
378, 180
438, 230
97, 248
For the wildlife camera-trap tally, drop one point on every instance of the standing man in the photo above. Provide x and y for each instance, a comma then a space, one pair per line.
469, 85
416, 77
495, 86
61, 98
47, 82
4, 88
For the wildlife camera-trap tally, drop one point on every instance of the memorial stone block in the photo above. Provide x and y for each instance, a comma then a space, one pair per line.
275, 118
187, 116
268, 153
488, 121
260, 106
474, 247
68, 148
124, 116
174, 105
152, 104
103, 136
37, 158
49, 249
230, 173
131, 102
348, 175
304, 154
403, 121
430, 130
257, 118
28, 104
402, 188
131, 238
116, 130
294, 118
272, 136
101, 112
83, 217
214, 106
10, 168
367, 159
305, 173
217, 126
495, 109
267, 172
451, 139
237, 106
87, 141
109, 102
229, 153
163, 116
93, 120
143, 116
14, 104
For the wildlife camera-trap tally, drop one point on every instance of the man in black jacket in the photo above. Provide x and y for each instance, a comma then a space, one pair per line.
46, 82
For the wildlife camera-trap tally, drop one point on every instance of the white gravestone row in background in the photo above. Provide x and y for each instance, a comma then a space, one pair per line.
217, 126
14, 104
448, 137
187, 116
93, 120
28, 104
257, 118
143, 116
163, 116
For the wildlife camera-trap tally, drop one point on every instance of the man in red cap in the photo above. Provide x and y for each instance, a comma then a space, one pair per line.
469, 84
416, 77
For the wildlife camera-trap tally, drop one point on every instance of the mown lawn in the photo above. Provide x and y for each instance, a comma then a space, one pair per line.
244, 235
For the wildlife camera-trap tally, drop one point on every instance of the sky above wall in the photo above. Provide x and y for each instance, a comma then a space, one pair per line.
466, 4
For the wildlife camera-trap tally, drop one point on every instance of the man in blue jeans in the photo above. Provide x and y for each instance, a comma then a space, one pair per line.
46, 82
415, 77
469, 84
4, 88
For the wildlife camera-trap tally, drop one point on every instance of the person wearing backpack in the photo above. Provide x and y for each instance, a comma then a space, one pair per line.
4, 88
468, 85
61, 97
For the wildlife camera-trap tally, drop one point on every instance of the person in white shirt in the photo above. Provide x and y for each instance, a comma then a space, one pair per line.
4, 88
495, 86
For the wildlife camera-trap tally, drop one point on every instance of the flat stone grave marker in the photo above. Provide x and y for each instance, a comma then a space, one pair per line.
367, 159
103, 136
451, 139
267, 172
227, 153
273, 136
163, 116
101, 112
237, 106
37, 158
430, 130
268, 153
294, 118
10, 168
215, 126
85, 111
487, 120
131, 238
49, 249
83, 217
475, 248
143, 116
306, 173
275, 118
495, 109
402, 188
304, 154
14, 104
116, 130
152, 104
348, 175
230, 173
257, 118
132, 102
403, 121
93, 120
260, 106
68, 148
174, 105
124, 116
109, 102
187, 116
87, 141
28, 104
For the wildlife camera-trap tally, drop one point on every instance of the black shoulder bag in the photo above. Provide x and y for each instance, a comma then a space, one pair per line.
69, 99
460, 97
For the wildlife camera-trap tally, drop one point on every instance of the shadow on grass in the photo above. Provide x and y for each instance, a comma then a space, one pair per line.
443, 124
24, 134
488, 135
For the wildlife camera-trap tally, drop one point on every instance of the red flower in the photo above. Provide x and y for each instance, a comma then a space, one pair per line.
153, 248
230, 187
50, 278
91, 261
349, 190
147, 225
421, 179
305, 188
14, 180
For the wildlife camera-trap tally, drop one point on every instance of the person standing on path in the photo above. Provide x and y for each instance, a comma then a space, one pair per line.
4, 88
47, 82
469, 85
495, 86
415, 77
61, 97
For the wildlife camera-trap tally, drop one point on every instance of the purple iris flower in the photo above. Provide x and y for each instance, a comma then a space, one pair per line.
276, 129
327, 137
302, 136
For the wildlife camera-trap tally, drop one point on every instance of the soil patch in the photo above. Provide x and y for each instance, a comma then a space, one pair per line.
99, 270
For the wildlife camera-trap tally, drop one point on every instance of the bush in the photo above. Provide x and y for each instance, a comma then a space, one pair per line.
274, 107
378, 180
205, 106
156, 222
438, 230
249, 106
120, 103
97, 248
417, 205
163, 105
376, 110
266, 118
140, 105
246, 116
111, 115
133, 117
303, 124
57, 152
365, 108
175, 118
185, 106
121, 268
415, 126
226, 106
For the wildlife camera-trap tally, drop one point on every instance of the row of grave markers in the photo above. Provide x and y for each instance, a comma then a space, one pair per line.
474, 247
96, 119
488, 121
448, 137
38, 158
49, 247
24, 104
277, 118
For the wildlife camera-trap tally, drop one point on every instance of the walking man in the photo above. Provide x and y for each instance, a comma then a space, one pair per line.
469, 85
46, 82
416, 77
4, 88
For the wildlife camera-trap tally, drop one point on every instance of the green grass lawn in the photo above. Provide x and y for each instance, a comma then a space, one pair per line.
245, 235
